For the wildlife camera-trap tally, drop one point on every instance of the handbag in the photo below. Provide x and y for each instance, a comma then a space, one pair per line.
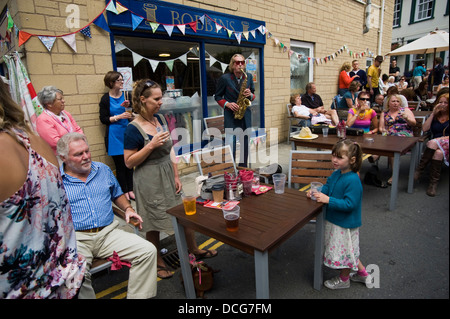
206, 190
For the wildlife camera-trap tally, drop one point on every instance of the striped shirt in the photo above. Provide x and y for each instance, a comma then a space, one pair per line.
91, 201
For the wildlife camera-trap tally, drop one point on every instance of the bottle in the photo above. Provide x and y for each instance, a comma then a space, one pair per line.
341, 130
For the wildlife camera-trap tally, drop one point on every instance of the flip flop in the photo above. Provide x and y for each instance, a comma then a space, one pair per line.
162, 268
207, 254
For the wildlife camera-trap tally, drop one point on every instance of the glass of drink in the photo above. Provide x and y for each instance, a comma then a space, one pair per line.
232, 216
279, 180
189, 203
315, 187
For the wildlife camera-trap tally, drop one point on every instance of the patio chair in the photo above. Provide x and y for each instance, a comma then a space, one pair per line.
295, 124
306, 166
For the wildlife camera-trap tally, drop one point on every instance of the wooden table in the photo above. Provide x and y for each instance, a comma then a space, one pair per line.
392, 146
267, 220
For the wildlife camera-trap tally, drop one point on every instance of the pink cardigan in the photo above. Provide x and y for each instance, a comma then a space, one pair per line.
51, 129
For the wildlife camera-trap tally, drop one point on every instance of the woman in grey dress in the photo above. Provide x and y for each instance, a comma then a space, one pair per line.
156, 182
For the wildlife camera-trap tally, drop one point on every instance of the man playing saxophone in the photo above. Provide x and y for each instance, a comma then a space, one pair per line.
229, 91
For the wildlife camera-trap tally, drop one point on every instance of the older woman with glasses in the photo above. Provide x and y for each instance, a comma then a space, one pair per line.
114, 114
362, 116
148, 148
55, 121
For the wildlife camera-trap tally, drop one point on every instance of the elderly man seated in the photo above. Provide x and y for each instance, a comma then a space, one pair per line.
314, 101
91, 188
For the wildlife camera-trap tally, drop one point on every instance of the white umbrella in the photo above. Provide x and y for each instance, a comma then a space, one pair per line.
433, 42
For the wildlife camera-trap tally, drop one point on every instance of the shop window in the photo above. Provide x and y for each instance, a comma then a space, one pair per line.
175, 66
301, 66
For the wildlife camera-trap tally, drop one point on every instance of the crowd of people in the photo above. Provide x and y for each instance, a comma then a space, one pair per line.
380, 106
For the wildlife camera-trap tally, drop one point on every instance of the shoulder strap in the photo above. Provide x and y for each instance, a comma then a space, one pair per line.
144, 135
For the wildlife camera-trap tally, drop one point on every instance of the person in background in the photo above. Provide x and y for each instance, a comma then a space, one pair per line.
377, 105
418, 74
342, 195
357, 71
436, 75
351, 95
55, 121
402, 84
373, 75
301, 111
394, 70
345, 79
38, 255
436, 151
227, 94
383, 84
149, 150
362, 116
92, 188
113, 114
396, 120
314, 102
444, 84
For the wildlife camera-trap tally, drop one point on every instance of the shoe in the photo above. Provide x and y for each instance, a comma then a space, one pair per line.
337, 283
206, 254
367, 280
162, 268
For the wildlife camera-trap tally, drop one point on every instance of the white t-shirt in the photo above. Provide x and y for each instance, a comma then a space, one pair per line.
301, 109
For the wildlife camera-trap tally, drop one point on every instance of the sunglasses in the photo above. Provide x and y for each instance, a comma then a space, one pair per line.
147, 85
364, 99
239, 62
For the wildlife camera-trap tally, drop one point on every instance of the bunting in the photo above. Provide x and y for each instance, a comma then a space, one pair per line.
136, 20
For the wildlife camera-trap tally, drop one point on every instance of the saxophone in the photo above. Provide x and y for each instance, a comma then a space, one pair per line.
242, 101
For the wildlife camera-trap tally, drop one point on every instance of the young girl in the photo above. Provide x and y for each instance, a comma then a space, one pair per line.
343, 194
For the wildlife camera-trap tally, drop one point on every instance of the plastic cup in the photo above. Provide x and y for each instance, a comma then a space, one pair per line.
325, 131
231, 217
129, 110
255, 182
189, 203
315, 187
279, 180
247, 187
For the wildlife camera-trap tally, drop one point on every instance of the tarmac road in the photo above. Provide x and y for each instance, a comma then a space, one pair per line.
409, 247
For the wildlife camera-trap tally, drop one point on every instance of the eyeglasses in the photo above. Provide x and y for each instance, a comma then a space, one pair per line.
239, 62
364, 99
119, 80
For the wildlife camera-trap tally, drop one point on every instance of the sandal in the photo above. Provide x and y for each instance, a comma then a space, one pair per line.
163, 268
389, 182
206, 254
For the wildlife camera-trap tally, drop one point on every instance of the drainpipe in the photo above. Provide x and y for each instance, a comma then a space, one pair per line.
380, 31
367, 17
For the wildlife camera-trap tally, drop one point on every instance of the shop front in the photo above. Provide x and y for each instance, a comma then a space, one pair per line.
186, 50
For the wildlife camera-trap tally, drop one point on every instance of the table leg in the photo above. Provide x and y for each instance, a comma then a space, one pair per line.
412, 167
318, 252
394, 187
262, 274
184, 259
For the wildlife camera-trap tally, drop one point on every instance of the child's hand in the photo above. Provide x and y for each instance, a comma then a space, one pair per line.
321, 198
308, 194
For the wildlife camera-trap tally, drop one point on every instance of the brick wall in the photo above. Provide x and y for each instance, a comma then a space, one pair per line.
327, 24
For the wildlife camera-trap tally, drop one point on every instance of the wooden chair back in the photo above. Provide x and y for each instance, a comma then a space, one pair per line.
216, 122
216, 160
309, 166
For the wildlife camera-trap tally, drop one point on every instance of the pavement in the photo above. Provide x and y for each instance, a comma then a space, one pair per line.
408, 250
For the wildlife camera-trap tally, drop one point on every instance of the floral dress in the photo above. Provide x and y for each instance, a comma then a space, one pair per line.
38, 255
397, 126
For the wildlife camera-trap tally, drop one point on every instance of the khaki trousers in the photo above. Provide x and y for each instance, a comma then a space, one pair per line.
130, 247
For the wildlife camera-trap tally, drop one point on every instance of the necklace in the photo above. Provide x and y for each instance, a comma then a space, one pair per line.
154, 123
363, 115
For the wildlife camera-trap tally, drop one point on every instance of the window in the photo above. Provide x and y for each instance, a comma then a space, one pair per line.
422, 10
397, 13
301, 66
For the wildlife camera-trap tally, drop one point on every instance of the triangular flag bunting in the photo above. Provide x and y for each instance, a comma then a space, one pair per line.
10, 21
154, 64
193, 25
183, 59
253, 33
202, 19
154, 26
136, 57
238, 35
224, 67
169, 64
23, 37
120, 8
70, 40
245, 34
218, 27
100, 22
169, 29
48, 42
86, 32
230, 32
136, 20
182, 28
111, 7
119, 47
212, 60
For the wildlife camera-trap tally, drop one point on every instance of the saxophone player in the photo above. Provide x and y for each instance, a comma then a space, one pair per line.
227, 94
